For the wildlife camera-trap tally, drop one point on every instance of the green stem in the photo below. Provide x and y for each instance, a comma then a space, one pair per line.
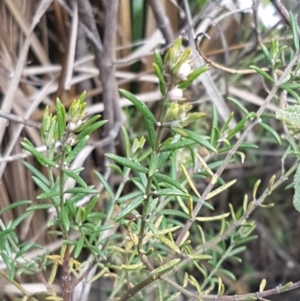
159, 132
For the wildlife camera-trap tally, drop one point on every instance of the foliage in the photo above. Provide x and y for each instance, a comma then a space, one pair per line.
156, 224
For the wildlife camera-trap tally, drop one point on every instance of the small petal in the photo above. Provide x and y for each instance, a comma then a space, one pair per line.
175, 94
184, 71
72, 126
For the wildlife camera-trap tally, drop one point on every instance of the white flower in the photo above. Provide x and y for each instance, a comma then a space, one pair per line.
71, 126
184, 71
175, 94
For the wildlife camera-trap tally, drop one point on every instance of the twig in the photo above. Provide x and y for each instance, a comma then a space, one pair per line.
282, 11
18, 286
90, 33
19, 119
257, 295
66, 277
86, 15
107, 68
255, 17
211, 244
162, 20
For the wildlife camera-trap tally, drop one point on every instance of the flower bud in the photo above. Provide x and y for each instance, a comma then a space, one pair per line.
175, 94
71, 126
184, 71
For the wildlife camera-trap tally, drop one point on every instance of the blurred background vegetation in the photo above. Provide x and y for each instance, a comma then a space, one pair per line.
61, 61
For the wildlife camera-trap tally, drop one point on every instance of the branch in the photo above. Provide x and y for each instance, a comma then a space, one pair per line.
19, 119
162, 20
86, 15
282, 11
211, 244
107, 68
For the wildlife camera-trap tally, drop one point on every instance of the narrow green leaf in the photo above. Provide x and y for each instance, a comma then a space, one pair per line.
90, 129
162, 158
162, 83
15, 205
39, 156
90, 206
48, 195
169, 180
296, 200
272, 132
174, 212
214, 137
37, 173
64, 213
266, 52
88, 190
4, 233
105, 184
26, 247
262, 73
153, 229
61, 118
128, 163
239, 105
171, 192
39, 207
151, 132
79, 246
82, 97
153, 164
291, 86
225, 126
141, 106
129, 196
75, 177
88, 123
129, 208
237, 128
165, 266
40, 184
167, 146
246, 145
7, 262
20, 218
194, 75
236, 251
145, 154
103, 228
127, 141
228, 273
292, 92
159, 61
97, 251
199, 139
294, 28
79, 146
